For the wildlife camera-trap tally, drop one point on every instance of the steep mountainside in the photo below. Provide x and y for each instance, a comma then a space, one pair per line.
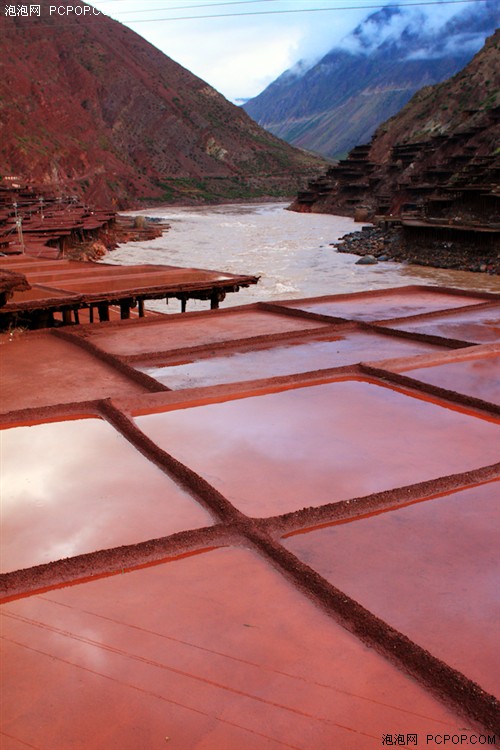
341, 100
89, 107
432, 171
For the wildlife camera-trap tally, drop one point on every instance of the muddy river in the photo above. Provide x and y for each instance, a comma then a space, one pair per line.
291, 253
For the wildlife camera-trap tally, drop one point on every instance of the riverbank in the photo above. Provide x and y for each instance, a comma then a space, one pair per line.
388, 245
123, 230
290, 251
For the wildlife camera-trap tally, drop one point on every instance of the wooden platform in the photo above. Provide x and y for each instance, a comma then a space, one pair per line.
65, 288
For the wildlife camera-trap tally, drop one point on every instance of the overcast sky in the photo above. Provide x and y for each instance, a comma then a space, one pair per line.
239, 55
240, 47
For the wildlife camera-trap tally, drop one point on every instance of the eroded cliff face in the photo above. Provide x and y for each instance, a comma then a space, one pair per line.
439, 158
464, 103
89, 107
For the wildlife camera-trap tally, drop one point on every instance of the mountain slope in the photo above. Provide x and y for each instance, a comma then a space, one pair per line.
437, 159
429, 180
88, 106
341, 100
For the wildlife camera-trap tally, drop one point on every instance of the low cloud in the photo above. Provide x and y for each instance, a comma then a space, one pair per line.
424, 32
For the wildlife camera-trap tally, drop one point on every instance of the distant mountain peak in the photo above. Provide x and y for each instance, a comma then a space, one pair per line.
339, 101
413, 32
374, 29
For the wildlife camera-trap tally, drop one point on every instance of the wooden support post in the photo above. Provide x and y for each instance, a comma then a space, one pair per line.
183, 304
91, 314
125, 309
214, 300
103, 309
66, 316
77, 316
44, 320
141, 308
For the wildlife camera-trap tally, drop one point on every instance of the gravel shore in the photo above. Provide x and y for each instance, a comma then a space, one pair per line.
387, 244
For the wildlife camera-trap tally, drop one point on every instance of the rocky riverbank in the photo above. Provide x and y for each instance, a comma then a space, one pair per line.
376, 244
124, 229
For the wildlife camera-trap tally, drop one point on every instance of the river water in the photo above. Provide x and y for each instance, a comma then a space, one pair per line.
291, 252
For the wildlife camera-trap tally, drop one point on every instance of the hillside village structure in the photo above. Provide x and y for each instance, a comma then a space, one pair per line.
42, 288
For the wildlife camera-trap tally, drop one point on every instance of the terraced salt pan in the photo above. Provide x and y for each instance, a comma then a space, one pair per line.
478, 377
308, 446
342, 350
385, 306
211, 651
430, 570
27, 264
78, 486
481, 326
195, 331
116, 283
42, 370
36, 293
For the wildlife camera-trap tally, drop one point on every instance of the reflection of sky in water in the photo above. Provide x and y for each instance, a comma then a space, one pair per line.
33, 457
474, 377
169, 631
385, 307
441, 557
308, 446
482, 326
77, 486
282, 360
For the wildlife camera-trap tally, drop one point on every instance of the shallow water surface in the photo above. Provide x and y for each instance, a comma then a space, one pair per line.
299, 448
432, 552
